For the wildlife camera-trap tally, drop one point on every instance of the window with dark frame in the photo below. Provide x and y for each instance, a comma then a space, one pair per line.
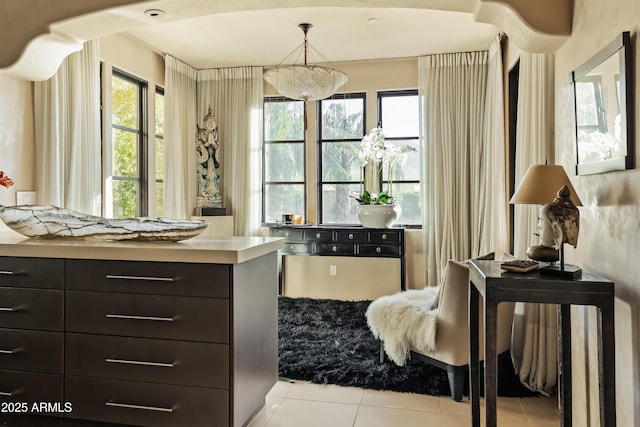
283, 159
398, 112
159, 149
129, 146
341, 120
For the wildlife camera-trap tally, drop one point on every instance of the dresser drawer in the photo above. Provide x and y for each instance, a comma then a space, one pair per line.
351, 236
30, 387
287, 233
36, 351
335, 249
297, 248
378, 250
145, 404
316, 235
151, 316
385, 237
158, 278
31, 308
148, 360
32, 272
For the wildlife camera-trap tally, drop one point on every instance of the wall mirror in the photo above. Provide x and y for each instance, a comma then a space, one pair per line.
603, 104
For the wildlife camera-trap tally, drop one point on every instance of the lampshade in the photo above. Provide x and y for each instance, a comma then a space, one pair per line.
540, 185
305, 82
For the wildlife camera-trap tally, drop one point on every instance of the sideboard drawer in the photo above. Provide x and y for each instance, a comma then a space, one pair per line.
35, 351
157, 278
32, 272
378, 250
31, 309
30, 387
335, 249
297, 248
145, 404
287, 233
317, 235
388, 237
150, 316
351, 236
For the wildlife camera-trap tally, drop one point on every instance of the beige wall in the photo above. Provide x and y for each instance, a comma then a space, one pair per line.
609, 242
17, 146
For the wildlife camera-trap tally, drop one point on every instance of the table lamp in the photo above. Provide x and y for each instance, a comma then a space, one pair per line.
549, 185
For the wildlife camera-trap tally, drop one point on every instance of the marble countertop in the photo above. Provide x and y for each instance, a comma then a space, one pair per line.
214, 250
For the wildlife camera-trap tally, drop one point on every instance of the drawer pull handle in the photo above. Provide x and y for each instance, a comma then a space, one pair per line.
12, 309
334, 248
150, 279
384, 237
133, 317
140, 362
350, 236
11, 273
10, 393
318, 235
378, 249
14, 351
146, 408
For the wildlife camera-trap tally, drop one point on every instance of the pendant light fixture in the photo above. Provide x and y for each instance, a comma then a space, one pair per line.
305, 82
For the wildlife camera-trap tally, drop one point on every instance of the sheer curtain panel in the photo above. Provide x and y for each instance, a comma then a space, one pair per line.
67, 133
535, 331
179, 139
462, 138
235, 96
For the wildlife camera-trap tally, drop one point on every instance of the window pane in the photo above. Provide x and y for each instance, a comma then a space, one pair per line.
159, 199
410, 169
159, 158
400, 116
124, 103
281, 199
159, 114
125, 154
343, 118
284, 162
409, 197
125, 196
339, 161
337, 206
284, 121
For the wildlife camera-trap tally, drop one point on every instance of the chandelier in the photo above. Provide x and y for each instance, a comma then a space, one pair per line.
305, 82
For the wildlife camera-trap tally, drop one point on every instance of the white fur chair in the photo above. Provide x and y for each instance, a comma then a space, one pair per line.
450, 349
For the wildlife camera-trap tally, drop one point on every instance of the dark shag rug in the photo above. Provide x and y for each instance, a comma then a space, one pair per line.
329, 342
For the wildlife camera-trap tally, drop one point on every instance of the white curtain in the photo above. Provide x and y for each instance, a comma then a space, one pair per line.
67, 133
179, 139
235, 96
534, 345
462, 139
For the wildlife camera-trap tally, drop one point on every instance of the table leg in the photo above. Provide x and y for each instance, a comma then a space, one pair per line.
564, 364
490, 361
607, 363
474, 350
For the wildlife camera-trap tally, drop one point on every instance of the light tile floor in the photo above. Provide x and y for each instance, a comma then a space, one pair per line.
301, 403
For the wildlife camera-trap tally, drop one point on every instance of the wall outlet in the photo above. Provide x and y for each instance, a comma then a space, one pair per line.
333, 270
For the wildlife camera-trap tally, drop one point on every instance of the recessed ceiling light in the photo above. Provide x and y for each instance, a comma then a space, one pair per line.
372, 20
154, 13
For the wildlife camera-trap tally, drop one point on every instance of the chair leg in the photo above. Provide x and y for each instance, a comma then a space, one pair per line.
457, 375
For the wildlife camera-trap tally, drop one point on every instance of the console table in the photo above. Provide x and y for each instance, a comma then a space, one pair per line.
486, 278
370, 248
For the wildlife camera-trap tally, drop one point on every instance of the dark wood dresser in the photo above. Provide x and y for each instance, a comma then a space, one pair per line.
140, 343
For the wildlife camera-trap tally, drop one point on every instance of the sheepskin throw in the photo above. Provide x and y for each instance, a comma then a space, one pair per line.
403, 321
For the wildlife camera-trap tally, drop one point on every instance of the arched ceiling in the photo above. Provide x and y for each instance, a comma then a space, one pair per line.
223, 33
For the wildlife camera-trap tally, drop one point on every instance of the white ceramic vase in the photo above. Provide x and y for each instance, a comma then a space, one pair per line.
378, 216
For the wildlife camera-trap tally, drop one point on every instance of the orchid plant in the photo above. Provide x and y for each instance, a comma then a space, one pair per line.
375, 151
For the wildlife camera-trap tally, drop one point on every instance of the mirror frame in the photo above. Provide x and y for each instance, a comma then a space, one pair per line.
621, 44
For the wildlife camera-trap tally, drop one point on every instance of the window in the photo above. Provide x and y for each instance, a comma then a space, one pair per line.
283, 159
128, 96
341, 121
590, 112
159, 147
398, 112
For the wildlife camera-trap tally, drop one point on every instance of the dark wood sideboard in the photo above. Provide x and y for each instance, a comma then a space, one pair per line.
352, 242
